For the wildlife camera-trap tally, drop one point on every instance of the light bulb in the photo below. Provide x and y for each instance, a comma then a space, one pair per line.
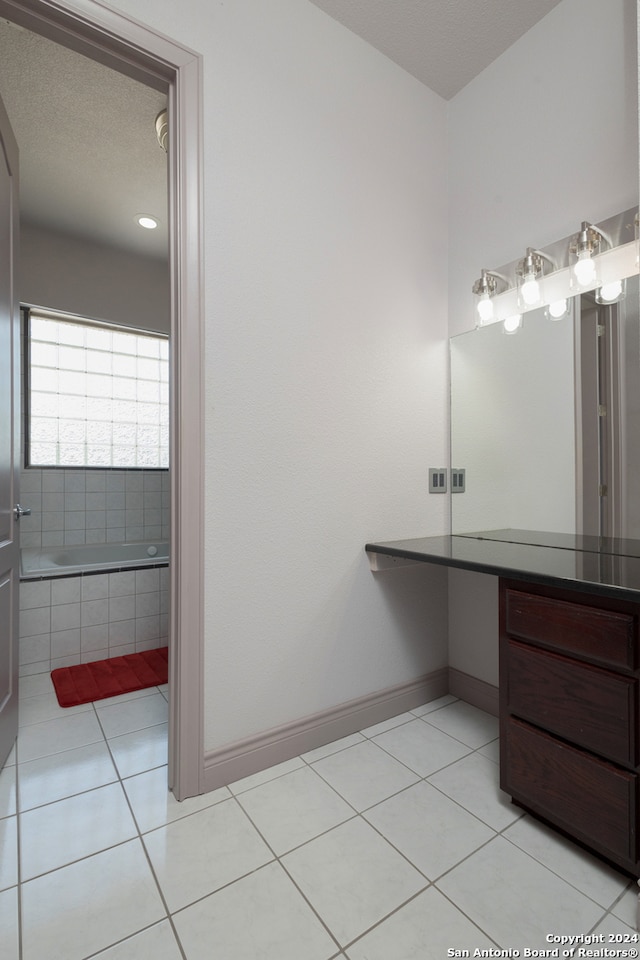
485, 308
584, 269
558, 309
513, 324
530, 291
609, 292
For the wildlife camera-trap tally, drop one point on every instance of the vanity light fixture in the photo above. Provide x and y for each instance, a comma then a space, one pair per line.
612, 292
484, 290
529, 275
583, 246
558, 310
512, 324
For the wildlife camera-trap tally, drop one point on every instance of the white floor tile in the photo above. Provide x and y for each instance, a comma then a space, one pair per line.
85, 907
491, 750
8, 791
474, 783
70, 829
421, 747
261, 917
611, 925
432, 831
54, 736
385, 725
626, 907
466, 723
155, 943
194, 856
140, 751
364, 774
65, 774
8, 852
423, 929
582, 870
36, 685
352, 877
154, 805
514, 899
9, 928
294, 808
46, 707
118, 719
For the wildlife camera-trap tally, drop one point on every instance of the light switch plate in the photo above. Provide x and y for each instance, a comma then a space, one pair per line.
458, 479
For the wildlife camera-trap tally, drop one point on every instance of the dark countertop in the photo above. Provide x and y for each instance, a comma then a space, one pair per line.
605, 567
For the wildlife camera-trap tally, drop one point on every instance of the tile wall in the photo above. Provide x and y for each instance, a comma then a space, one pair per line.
69, 620
93, 506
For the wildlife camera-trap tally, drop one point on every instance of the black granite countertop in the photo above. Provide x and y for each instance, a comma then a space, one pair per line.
603, 566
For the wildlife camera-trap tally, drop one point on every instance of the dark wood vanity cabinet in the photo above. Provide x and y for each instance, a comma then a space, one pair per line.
569, 737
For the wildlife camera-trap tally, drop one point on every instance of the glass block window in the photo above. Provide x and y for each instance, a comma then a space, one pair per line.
96, 395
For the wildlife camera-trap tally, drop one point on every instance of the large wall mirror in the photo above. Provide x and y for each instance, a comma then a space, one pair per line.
546, 422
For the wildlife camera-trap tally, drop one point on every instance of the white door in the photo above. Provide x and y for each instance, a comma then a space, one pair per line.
9, 439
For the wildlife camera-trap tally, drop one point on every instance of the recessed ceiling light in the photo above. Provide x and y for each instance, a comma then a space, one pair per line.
144, 220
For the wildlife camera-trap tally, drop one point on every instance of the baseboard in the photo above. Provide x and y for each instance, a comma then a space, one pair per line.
245, 757
478, 693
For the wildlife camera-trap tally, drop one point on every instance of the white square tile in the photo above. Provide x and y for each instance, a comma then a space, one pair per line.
466, 723
352, 877
35, 593
64, 774
112, 893
34, 622
54, 736
432, 831
61, 832
474, 783
125, 717
140, 751
95, 587
421, 747
626, 907
514, 899
65, 643
65, 616
35, 650
364, 774
46, 707
582, 870
155, 943
263, 776
423, 929
9, 923
66, 590
198, 854
154, 805
94, 611
35, 686
8, 803
611, 925
8, 852
94, 638
281, 927
121, 585
122, 608
294, 808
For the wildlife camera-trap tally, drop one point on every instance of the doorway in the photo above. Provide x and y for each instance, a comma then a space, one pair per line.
141, 54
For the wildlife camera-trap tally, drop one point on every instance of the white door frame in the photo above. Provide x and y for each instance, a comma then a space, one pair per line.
124, 44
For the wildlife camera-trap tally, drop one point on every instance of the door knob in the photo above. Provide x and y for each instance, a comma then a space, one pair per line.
19, 511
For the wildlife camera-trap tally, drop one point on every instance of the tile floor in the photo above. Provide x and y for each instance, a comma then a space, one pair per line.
392, 844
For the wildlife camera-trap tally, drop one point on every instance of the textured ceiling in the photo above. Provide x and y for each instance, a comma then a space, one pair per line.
89, 156
443, 43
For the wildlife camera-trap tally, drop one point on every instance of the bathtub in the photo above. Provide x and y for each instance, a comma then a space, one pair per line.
40, 563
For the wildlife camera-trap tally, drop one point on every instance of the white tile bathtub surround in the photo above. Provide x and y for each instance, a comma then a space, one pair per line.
77, 619
94, 506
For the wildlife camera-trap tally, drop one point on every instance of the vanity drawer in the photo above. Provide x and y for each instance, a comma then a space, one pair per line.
598, 634
592, 707
589, 798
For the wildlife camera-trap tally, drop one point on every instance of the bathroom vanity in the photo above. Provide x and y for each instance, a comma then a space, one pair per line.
569, 674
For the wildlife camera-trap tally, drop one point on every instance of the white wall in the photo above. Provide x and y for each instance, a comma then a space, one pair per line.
326, 358
518, 183
92, 280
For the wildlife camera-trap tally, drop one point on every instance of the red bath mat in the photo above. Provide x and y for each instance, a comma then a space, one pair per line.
86, 682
